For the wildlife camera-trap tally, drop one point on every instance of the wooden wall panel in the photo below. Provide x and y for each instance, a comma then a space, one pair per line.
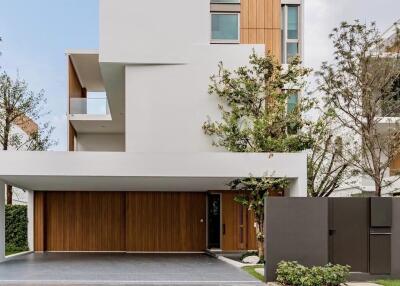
75, 90
161, 221
238, 225
395, 166
85, 221
259, 18
39, 201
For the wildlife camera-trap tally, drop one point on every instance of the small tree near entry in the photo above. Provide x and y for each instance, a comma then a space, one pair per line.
360, 92
19, 107
255, 118
253, 192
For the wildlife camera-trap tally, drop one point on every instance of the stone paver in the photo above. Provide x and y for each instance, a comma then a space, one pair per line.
121, 269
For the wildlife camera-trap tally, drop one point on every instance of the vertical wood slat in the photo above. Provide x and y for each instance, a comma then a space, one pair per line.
260, 5
84, 221
39, 221
169, 221
244, 14
231, 219
252, 14
269, 11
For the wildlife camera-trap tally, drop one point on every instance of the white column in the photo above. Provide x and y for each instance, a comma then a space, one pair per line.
30, 211
2, 221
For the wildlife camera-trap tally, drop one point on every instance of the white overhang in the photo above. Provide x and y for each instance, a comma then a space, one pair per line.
124, 171
87, 67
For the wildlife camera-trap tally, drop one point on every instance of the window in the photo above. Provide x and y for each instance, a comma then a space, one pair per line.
290, 32
293, 22
225, 27
292, 102
226, 1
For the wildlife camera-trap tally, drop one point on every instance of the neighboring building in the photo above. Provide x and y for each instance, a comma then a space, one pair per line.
363, 185
24, 127
139, 174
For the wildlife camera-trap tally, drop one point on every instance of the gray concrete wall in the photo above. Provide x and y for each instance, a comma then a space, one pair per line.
296, 229
396, 237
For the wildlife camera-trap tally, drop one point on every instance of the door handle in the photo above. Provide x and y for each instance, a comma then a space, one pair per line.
223, 229
332, 232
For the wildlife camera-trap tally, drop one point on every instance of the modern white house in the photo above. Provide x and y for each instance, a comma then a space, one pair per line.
139, 174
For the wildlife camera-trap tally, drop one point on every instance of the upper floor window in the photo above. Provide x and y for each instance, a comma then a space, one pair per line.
290, 32
225, 27
292, 101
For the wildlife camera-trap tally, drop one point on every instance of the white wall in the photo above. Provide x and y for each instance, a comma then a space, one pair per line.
101, 142
156, 31
166, 105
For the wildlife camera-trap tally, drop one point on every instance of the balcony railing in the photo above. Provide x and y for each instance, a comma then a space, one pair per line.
390, 108
90, 106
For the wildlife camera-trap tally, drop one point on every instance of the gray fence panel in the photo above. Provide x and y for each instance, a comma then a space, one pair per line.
296, 229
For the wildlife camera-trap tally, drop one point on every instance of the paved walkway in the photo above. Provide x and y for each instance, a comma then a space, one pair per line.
121, 269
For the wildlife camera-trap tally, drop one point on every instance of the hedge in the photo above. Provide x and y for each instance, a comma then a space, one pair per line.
16, 228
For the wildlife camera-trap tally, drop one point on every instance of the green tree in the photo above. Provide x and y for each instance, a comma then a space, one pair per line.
360, 91
255, 118
18, 107
326, 167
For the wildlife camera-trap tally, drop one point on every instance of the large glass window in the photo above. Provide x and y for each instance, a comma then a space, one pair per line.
290, 32
225, 27
292, 22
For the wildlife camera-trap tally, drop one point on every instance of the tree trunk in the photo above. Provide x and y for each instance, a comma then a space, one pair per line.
378, 190
260, 238
6, 134
9, 195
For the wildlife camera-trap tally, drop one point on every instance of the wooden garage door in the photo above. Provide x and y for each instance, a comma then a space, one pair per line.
84, 221
119, 221
162, 221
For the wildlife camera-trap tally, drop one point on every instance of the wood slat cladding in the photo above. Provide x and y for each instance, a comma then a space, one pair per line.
75, 90
120, 221
237, 224
39, 221
260, 23
85, 221
161, 221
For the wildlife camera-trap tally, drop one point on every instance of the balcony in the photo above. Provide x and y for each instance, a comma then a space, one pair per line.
89, 106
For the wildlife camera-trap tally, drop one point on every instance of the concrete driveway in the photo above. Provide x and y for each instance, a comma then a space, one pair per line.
120, 269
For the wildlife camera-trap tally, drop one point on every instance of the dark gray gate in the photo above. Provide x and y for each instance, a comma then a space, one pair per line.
348, 232
361, 232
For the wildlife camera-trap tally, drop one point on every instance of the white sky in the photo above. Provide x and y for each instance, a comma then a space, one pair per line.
321, 16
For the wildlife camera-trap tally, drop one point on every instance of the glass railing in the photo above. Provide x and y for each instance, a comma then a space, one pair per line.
90, 106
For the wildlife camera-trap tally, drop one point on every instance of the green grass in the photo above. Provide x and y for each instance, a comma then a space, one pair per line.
251, 270
14, 250
389, 282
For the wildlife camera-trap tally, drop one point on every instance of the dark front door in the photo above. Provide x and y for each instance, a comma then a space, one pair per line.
214, 220
349, 230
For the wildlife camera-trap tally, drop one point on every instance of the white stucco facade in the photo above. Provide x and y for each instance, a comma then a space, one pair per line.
154, 67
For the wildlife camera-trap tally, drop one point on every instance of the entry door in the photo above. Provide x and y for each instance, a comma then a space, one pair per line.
348, 232
214, 221
238, 232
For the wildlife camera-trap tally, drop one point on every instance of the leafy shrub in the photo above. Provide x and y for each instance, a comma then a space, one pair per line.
294, 274
16, 228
